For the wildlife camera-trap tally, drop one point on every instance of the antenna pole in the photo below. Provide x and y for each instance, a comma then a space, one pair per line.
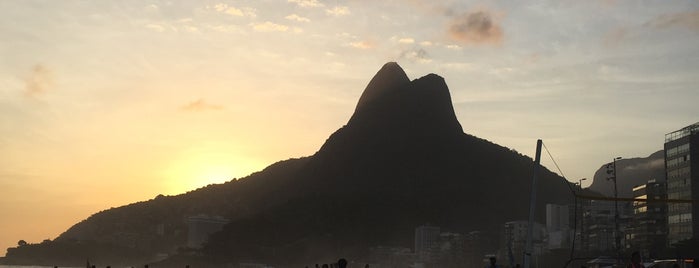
532, 207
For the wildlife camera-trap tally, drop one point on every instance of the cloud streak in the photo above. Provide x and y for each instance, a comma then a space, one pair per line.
200, 105
338, 11
269, 26
689, 20
307, 3
298, 18
476, 27
416, 55
38, 81
362, 44
238, 12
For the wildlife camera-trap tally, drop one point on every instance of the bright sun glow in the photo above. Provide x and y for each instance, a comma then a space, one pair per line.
199, 168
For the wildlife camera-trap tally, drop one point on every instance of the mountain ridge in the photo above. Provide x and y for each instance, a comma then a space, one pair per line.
401, 160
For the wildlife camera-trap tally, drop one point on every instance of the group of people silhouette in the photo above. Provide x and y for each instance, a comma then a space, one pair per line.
341, 263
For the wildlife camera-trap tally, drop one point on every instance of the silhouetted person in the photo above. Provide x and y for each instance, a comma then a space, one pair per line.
366, 266
342, 263
93, 266
317, 266
635, 260
145, 266
676, 265
492, 264
325, 265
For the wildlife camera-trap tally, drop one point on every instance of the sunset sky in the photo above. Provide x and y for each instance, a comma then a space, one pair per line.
105, 103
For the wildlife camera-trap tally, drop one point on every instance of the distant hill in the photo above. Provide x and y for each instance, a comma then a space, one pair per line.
630, 172
401, 161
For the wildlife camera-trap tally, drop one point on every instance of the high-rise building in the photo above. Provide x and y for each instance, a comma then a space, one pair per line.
514, 239
682, 171
558, 223
599, 229
648, 230
557, 217
426, 239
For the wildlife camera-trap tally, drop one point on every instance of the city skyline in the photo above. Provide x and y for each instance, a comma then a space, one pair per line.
105, 104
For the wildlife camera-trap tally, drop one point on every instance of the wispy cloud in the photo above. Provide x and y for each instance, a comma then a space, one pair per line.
416, 55
38, 81
476, 27
615, 37
362, 44
689, 20
200, 105
338, 11
406, 40
269, 26
155, 27
233, 11
307, 3
295, 17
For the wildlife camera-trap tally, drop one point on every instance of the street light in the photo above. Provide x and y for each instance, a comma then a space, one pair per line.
580, 182
617, 239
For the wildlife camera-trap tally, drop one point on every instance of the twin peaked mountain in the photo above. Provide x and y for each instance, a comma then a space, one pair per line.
401, 161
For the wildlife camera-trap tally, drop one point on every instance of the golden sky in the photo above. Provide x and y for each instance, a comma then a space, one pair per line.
107, 103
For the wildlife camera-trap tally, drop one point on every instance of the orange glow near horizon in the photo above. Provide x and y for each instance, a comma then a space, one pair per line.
200, 168
104, 103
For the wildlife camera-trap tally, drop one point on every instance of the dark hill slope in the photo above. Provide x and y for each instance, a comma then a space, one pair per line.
631, 173
402, 160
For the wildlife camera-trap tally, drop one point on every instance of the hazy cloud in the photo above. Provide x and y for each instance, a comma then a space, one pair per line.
416, 55
476, 27
615, 37
297, 18
268, 26
338, 11
200, 105
238, 12
689, 20
362, 44
307, 3
156, 27
426, 43
38, 81
406, 40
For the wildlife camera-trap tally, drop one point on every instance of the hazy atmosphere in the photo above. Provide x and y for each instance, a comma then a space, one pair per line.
107, 103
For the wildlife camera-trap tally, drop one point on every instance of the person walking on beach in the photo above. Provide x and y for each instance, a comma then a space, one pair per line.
635, 260
492, 264
342, 263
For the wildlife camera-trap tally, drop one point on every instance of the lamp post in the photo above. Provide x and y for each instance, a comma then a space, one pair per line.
582, 217
580, 182
617, 238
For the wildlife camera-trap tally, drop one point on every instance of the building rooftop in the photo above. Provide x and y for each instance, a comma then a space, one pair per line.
684, 132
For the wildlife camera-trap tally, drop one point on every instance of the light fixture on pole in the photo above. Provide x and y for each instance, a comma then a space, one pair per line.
580, 182
611, 170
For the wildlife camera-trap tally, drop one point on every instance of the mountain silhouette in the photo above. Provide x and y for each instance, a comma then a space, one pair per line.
402, 160
631, 173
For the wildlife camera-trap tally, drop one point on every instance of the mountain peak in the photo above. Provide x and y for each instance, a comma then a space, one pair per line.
389, 79
394, 111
